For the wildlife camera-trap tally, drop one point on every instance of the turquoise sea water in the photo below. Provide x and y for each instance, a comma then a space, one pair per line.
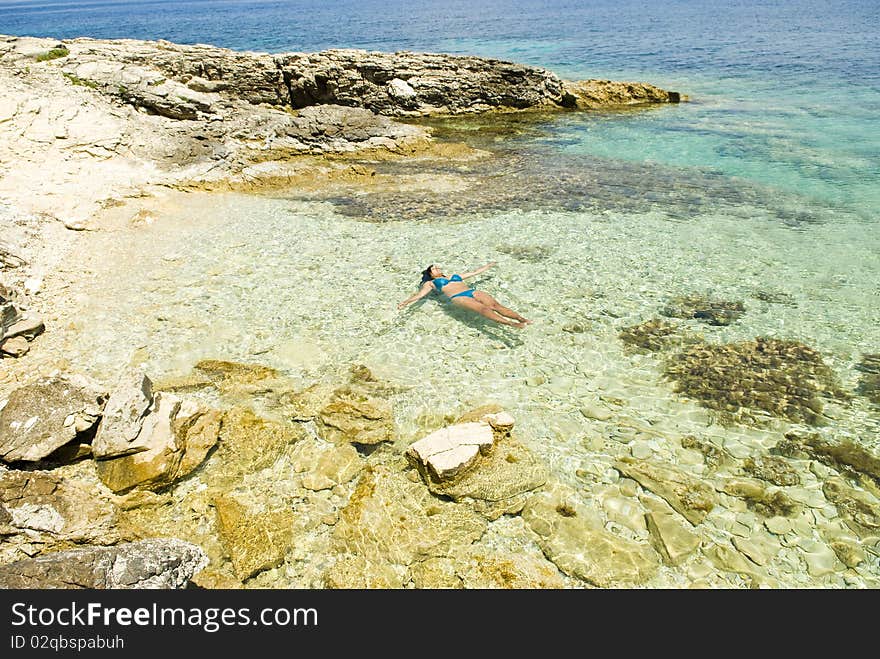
762, 189
784, 94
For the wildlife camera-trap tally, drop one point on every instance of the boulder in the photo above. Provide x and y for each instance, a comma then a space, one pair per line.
156, 563
173, 440
42, 416
448, 452
130, 402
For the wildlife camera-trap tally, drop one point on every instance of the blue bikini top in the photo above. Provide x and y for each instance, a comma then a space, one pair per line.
440, 282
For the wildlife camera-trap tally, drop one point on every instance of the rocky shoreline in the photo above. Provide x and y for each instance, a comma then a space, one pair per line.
235, 476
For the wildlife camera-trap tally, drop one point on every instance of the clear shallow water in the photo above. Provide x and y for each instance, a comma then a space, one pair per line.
295, 285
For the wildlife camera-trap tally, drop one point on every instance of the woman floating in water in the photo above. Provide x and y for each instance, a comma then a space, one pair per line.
458, 293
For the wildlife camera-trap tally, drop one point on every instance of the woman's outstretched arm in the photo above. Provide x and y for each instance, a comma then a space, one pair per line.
478, 271
426, 288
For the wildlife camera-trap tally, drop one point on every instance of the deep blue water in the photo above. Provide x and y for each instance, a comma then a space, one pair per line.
783, 93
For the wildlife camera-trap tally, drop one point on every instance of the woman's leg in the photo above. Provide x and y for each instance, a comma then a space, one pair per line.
485, 310
494, 304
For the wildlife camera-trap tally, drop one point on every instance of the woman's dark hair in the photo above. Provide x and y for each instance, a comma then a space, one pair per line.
426, 274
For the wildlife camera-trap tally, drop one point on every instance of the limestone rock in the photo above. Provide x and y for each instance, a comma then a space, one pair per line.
688, 496
350, 571
305, 404
15, 346
390, 519
129, 404
768, 501
254, 541
848, 551
28, 327
356, 417
820, 558
843, 455
760, 547
860, 510
772, 468
406, 83
248, 443
480, 413
626, 512
501, 480
450, 451
223, 373
47, 414
674, 541
325, 465
481, 568
53, 512
160, 563
173, 440
439, 572
727, 558
570, 536
590, 94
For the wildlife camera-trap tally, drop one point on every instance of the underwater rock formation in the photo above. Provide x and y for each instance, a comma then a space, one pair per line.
652, 335
869, 383
781, 378
703, 308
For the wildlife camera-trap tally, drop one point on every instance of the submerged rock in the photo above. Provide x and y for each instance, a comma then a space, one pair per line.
651, 335
356, 417
688, 496
869, 382
706, 309
860, 509
477, 567
844, 455
672, 539
254, 540
777, 377
352, 571
770, 502
772, 468
390, 519
161, 563
500, 482
571, 536
248, 443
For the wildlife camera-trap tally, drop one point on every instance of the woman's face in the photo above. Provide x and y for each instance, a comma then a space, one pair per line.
436, 271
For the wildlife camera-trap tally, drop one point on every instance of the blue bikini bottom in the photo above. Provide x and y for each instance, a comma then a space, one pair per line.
467, 293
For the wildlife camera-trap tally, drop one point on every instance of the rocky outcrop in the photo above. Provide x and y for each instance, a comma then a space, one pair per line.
185, 115
406, 83
165, 563
17, 327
